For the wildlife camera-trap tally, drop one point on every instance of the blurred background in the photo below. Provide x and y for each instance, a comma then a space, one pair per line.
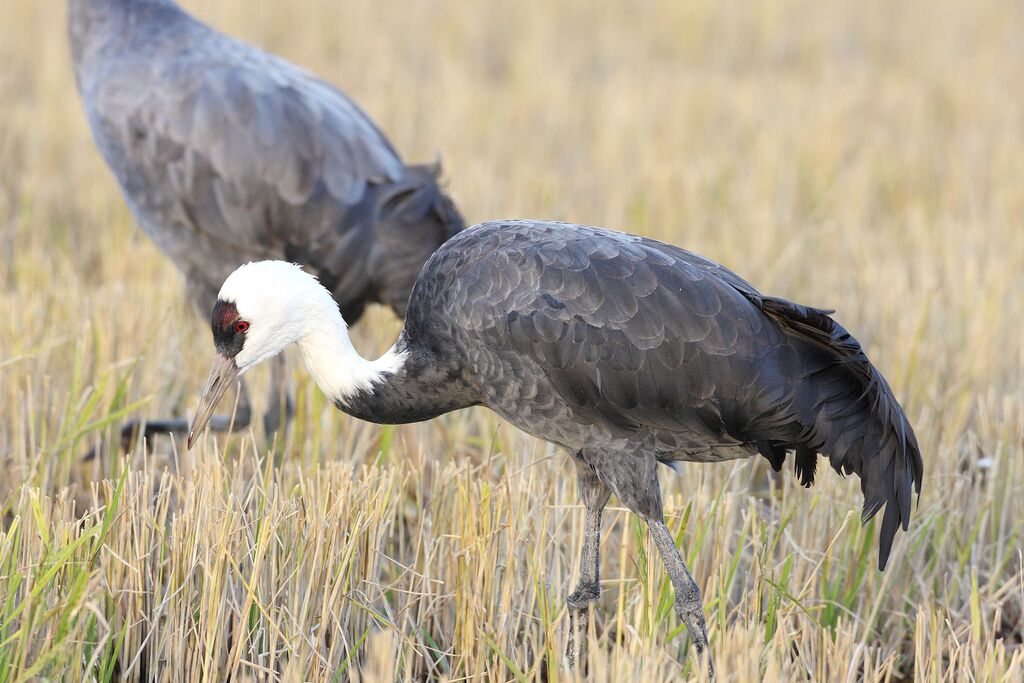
861, 156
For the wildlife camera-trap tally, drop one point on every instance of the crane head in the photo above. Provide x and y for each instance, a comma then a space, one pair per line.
262, 308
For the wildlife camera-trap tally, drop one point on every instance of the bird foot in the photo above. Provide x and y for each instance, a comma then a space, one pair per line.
693, 618
131, 430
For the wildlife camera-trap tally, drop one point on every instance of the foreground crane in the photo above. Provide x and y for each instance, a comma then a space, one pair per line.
226, 154
624, 350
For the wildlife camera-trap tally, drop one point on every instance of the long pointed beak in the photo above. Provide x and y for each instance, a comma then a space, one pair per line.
222, 376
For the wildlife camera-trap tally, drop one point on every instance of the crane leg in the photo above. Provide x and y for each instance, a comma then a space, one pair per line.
280, 402
595, 496
688, 604
634, 481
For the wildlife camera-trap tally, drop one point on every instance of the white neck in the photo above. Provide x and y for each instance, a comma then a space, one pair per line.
334, 363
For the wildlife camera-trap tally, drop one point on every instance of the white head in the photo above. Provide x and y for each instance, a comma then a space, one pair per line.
265, 307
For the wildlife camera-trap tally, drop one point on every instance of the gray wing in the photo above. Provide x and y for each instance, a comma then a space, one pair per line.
645, 336
624, 331
255, 122
210, 135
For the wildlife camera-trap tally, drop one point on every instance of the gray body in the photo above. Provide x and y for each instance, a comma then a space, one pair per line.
632, 352
629, 352
227, 154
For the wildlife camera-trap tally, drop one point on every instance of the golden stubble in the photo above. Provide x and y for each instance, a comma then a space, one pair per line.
866, 158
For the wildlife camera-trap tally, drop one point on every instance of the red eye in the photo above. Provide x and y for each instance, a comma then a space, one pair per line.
241, 326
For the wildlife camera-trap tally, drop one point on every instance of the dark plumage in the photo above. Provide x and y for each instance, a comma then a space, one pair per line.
590, 337
226, 154
624, 350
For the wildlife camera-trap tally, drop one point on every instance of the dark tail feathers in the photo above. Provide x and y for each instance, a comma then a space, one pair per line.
860, 427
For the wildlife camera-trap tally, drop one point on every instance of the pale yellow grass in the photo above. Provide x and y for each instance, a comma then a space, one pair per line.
867, 157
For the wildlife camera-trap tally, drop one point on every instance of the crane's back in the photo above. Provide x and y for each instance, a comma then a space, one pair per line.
597, 339
227, 154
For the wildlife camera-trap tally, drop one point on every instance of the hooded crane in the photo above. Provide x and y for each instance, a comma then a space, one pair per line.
226, 154
623, 350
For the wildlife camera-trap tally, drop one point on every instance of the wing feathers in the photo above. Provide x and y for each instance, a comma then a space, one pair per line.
639, 335
859, 422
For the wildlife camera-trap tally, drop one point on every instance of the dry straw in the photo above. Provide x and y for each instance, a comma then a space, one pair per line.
867, 158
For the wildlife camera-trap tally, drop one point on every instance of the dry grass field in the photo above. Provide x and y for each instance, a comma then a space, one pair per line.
866, 157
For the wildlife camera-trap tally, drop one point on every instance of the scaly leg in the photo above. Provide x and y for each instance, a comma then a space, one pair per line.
688, 604
634, 480
595, 496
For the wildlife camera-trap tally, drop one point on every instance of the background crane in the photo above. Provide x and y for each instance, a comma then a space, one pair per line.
226, 154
